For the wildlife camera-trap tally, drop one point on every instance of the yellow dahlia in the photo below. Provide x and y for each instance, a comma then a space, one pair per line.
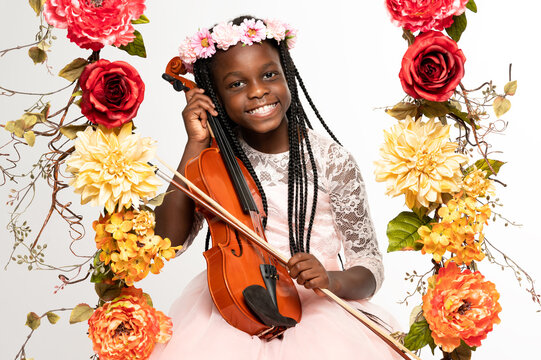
419, 161
111, 168
144, 222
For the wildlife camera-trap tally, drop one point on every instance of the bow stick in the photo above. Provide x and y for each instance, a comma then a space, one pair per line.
216, 209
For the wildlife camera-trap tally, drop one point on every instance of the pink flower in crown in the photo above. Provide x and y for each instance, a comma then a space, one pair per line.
202, 44
92, 24
225, 35
291, 36
275, 30
187, 52
252, 31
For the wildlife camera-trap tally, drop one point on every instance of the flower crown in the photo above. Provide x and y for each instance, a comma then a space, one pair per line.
224, 35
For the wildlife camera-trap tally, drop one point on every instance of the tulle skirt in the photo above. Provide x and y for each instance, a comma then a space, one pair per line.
325, 331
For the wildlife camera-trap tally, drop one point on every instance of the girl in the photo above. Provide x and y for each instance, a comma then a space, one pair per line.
248, 80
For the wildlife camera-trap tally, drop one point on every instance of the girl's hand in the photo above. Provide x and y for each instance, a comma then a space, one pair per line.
195, 115
309, 272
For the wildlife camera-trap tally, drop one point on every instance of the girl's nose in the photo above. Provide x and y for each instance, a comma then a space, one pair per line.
257, 90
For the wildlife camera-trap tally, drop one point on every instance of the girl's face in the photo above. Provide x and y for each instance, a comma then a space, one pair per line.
252, 87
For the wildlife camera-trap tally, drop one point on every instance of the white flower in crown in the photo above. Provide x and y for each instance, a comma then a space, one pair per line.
187, 52
225, 35
252, 31
276, 29
291, 36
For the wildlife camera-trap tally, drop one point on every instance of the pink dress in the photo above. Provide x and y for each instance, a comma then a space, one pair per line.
326, 331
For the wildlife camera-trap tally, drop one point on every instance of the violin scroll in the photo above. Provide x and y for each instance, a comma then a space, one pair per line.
173, 70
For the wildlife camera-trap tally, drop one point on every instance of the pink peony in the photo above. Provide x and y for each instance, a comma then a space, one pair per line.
202, 44
425, 15
252, 31
225, 35
92, 24
276, 29
187, 52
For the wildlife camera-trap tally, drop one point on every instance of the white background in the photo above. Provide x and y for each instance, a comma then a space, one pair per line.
349, 56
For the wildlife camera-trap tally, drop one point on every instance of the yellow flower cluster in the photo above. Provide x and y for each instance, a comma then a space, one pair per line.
111, 167
476, 184
460, 231
127, 242
419, 161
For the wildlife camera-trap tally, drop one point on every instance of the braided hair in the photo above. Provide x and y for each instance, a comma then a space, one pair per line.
299, 145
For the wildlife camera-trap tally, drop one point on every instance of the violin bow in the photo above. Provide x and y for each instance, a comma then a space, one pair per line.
216, 209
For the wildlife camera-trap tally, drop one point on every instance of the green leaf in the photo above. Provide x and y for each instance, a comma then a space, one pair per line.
148, 299
158, 199
433, 109
73, 70
501, 105
142, 20
402, 231
107, 292
463, 352
33, 320
482, 165
37, 55
81, 312
70, 131
52, 317
510, 88
457, 28
136, 47
419, 335
30, 137
403, 109
463, 116
471, 6
37, 5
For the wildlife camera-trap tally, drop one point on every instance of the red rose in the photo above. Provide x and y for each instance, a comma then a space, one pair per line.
425, 15
112, 92
432, 67
92, 24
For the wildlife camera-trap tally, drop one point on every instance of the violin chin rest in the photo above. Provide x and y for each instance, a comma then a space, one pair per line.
259, 301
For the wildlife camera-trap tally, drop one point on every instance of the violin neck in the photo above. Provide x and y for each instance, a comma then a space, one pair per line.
235, 173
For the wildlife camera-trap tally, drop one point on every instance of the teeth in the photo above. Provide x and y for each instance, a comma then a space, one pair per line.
262, 109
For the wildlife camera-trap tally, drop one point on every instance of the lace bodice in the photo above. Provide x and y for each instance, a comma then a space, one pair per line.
342, 219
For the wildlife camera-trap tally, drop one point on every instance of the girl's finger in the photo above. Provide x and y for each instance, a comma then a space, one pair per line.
190, 94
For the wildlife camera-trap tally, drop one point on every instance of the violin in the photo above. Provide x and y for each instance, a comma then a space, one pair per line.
250, 288
229, 245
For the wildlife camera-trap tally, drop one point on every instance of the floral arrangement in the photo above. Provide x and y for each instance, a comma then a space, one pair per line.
203, 44
450, 198
107, 164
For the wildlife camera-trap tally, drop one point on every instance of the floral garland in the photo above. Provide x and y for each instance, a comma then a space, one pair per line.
203, 44
448, 197
109, 167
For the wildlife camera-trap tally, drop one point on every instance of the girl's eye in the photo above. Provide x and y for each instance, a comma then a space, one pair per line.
235, 84
269, 75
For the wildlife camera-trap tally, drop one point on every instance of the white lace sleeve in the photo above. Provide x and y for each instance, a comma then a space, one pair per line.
351, 214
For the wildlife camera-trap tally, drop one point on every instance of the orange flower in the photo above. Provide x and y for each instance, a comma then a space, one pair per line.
127, 327
129, 245
460, 306
459, 232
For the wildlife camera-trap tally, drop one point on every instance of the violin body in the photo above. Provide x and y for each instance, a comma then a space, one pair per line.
233, 262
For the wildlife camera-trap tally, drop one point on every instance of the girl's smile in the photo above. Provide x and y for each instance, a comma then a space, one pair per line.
252, 87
